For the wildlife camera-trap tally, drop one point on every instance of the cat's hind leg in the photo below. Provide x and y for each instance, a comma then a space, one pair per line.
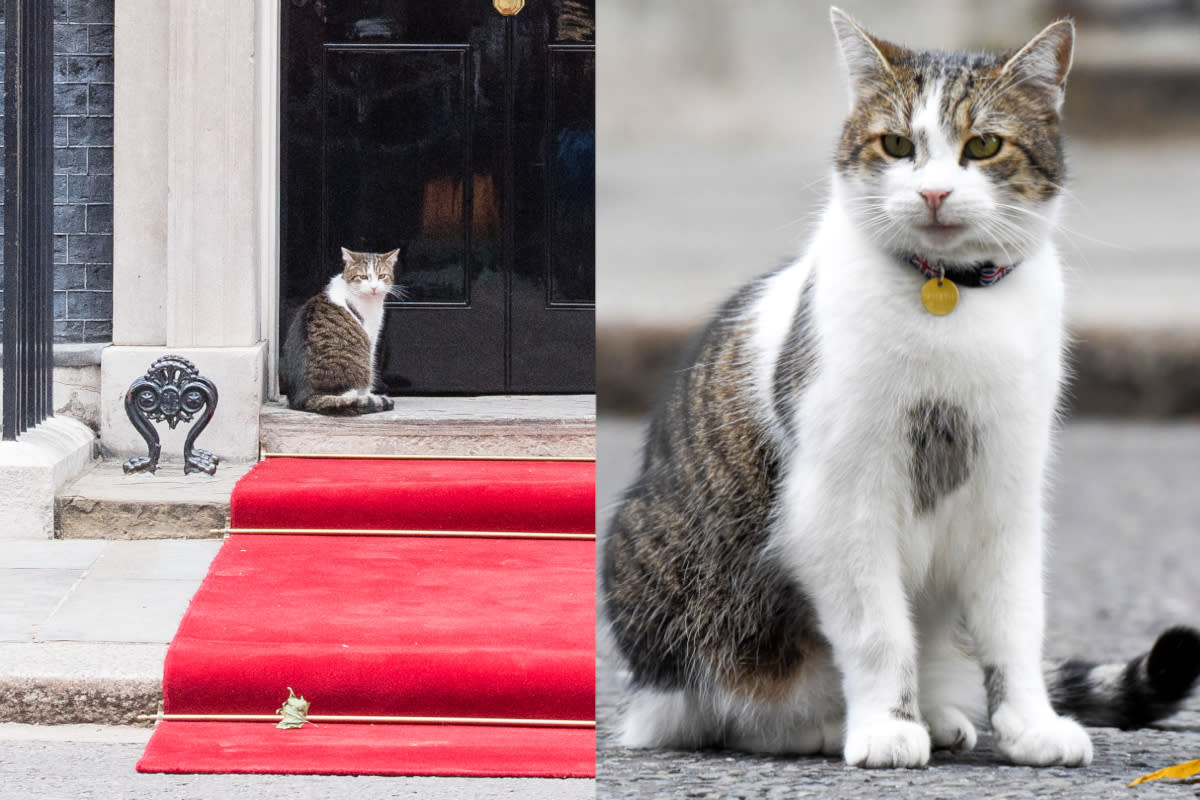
784, 733
951, 681
671, 719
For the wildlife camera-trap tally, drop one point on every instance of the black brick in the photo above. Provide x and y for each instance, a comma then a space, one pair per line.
86, 248
100, 39
60, 131
83, 69
70, 99
90, 10
100, 161
68, 331
60, 248
99, 218
60, 305
99, 276
69, 219
70, 161
69, 277
70, 39
93, 131
100, 100
97, 330
91, 188
60, 188
89, 305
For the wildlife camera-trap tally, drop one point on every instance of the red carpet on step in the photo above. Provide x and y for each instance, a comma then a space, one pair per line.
434, 495
392, 626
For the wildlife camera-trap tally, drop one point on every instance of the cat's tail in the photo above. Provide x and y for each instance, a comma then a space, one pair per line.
1149, 687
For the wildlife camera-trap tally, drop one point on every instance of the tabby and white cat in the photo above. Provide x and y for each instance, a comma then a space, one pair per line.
841, 495
328, 359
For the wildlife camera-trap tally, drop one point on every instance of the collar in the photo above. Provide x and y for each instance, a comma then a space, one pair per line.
968, 275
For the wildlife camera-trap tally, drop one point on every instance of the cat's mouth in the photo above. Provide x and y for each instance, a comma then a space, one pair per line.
941, 231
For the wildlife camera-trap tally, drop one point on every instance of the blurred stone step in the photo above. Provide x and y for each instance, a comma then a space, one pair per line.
1142, 81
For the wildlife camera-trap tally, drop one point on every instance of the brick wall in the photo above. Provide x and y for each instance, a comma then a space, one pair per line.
83, 160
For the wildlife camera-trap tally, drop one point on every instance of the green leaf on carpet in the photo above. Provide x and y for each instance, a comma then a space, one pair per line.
294, 711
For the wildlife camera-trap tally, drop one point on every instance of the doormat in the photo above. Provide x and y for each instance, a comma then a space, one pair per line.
468, 652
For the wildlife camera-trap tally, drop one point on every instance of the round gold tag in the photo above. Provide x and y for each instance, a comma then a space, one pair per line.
939, 300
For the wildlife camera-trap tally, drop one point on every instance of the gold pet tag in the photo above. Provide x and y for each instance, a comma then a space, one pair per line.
939, 296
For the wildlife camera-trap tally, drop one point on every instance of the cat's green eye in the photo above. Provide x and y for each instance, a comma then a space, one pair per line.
897, 146
984, 146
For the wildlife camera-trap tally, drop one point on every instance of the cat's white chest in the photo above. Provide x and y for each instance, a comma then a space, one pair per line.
367, 311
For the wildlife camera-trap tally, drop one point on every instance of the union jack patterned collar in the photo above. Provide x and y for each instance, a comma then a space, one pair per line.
971, 275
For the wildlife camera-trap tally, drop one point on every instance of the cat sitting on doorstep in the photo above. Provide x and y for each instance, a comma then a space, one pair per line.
836, 540
328, 359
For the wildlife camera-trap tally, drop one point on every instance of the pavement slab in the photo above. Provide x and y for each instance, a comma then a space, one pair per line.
84, 625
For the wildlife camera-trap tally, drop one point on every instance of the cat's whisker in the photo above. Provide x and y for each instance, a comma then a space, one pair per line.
1059, 225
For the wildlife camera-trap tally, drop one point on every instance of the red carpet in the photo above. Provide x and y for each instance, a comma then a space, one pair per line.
392, 625
437, 495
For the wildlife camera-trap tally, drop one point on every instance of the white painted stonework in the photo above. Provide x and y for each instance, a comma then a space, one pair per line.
195, 269
238, 373
34, 468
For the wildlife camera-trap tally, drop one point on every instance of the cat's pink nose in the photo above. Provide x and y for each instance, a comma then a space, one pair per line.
934, 197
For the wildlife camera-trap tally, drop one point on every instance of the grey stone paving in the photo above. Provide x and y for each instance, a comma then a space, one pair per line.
77, 762
84, 624
1124, 565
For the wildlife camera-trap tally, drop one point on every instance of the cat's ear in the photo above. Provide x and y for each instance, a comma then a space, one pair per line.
390, 257
1045, 61
347, 256
867, 59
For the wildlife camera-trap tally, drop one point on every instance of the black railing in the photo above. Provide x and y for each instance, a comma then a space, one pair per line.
28, 214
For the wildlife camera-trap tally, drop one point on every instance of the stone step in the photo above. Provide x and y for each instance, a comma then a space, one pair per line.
105, 503
525, 425
1135, 81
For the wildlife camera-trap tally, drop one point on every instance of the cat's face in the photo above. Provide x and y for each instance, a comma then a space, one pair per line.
954, 157
369, 274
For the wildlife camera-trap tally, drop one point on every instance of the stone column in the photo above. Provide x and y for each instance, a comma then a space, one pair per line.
188, 212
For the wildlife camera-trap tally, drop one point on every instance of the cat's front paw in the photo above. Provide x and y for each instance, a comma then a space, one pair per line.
888, 743
1045, 741
377, 403
950, 729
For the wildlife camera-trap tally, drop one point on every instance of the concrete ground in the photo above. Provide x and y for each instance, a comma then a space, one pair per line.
1122, 567
74, 762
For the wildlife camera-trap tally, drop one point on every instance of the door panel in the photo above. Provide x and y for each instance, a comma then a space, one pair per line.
466, 139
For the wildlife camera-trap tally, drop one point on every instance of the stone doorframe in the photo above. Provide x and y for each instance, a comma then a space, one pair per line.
195, 209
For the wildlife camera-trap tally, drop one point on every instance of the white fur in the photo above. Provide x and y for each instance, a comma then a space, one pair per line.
898, 592
366, 297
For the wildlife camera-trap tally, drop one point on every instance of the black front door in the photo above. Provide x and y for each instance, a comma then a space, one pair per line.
466, 138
